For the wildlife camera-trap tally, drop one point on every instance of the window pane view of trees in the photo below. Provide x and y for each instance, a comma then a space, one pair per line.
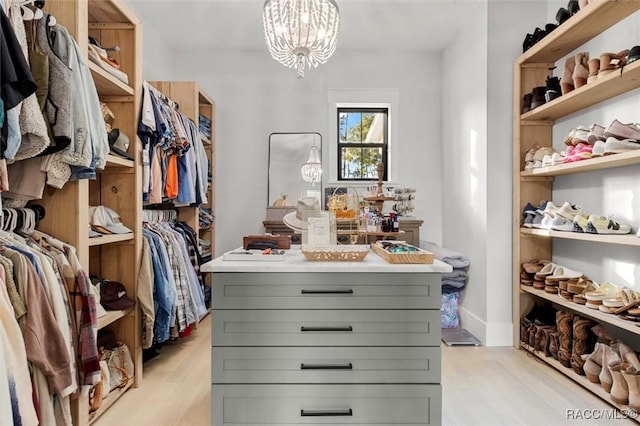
362, 139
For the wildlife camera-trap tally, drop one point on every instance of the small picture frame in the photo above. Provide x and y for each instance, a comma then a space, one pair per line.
321, 228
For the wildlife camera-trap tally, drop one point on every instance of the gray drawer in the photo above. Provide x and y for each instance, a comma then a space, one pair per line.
260, 405
325, 365
326, 291
326, 328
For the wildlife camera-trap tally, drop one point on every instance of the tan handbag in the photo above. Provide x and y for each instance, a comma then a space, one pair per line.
120, 365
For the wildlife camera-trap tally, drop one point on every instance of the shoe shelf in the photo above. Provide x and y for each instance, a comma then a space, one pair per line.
624, 240
594, 314
589, 165
592, 20
595, 388
607, 87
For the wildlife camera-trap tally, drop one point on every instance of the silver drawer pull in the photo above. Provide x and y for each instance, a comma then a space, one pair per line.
330, 329
326, 413
348, 366
347, 291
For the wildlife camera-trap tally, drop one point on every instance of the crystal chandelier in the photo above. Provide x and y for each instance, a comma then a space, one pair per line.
301, 33
312, 169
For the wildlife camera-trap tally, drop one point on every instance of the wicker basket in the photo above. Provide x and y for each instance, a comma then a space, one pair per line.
346, 253
420, 256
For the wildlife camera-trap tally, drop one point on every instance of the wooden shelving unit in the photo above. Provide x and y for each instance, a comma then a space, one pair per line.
114, 257
536, 127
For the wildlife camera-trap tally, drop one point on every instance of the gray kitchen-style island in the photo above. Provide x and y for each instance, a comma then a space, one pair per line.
299, 342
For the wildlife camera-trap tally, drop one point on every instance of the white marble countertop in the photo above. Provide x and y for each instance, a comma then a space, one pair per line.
296, 262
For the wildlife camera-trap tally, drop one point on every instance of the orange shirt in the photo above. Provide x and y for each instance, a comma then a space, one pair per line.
171, 187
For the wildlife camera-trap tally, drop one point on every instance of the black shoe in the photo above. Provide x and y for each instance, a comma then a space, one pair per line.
538, 96
549, 27
526, 102
553, 89
562, 15
634, 54
538, 35
527, 43
573, 7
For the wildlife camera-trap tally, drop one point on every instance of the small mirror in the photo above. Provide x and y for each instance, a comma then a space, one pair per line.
287, 153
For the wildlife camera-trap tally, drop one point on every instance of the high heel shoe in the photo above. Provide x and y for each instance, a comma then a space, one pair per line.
594, 68
566, 82
581, 69
610, 62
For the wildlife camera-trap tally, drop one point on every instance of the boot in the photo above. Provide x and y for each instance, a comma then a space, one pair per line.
609, 357
631, 376
553, 89
593, 363
564, 324
553, 344
539, 334
619, 389
628, 355
580, 346
581, 69
545, 343
566, 82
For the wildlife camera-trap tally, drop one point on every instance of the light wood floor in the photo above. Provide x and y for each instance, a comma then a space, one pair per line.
481, 386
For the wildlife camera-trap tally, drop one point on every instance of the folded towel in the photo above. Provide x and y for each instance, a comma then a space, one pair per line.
454, 283
453, 258
456, 274
447, 289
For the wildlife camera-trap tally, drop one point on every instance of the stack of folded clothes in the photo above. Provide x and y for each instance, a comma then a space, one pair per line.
205, 126
452, 282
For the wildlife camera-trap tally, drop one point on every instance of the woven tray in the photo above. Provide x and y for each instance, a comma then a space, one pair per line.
355, 253
420, 256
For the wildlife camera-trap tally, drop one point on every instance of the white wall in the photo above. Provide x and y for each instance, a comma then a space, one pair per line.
256, 96
477, 152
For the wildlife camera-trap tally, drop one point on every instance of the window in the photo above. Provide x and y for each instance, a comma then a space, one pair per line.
362, 142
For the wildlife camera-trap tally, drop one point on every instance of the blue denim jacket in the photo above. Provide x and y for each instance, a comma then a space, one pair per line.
164, 295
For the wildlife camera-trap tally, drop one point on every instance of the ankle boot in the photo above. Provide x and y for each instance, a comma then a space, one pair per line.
545, 343
619, 389
581, 69
553, 344
538, 96
631, 376
565, 337
566, 82
609, 357
594, 68
580, 346
628, 355
526, 102
593, 363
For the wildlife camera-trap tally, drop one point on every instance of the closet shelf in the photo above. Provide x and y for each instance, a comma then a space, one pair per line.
111, 317
110, 12
583, 310
624, 240
590, 165
613, 84
110, 239
592, 20
108, 85
596, 388
119, 162
108, 401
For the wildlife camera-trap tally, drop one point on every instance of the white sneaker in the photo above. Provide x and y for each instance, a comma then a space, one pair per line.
569, 211
580, 222
557, 158
605, 225
599, 148
550, 209
547, 222
546, 161
616, 146
561, 223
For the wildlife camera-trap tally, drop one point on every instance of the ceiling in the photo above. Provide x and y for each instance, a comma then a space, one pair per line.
422, 25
